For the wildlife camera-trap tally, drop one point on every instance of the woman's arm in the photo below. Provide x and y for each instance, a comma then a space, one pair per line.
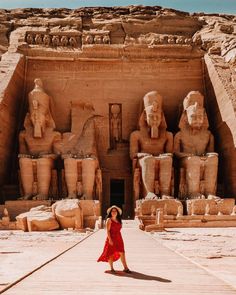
108, 227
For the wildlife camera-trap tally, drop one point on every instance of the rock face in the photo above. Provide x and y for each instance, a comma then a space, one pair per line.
100, 25
111, 57
118, 25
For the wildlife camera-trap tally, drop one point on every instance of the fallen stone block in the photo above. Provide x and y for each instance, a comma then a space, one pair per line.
68, 213
37, 221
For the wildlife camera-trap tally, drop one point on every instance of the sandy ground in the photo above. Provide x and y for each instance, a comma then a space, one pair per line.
21, 252
211, 248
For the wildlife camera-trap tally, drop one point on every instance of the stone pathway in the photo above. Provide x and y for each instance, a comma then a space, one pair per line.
23, 252
156, 270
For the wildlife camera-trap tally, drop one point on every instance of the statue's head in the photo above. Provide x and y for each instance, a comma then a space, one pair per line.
153, 112
38, 82
195, 116
39, 116
39, 122
115, 110
192, 98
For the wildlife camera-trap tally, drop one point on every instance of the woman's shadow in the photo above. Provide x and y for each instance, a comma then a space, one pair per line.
138, 276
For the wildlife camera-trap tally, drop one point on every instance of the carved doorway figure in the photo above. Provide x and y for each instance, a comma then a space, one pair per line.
115, 123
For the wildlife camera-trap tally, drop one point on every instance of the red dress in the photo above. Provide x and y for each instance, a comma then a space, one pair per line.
118, 244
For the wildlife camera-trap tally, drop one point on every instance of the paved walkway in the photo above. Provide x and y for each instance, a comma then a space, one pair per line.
156, 270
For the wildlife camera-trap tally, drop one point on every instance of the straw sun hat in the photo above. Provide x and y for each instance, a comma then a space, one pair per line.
117, 208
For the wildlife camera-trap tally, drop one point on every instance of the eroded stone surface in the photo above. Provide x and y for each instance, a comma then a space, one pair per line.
118, 25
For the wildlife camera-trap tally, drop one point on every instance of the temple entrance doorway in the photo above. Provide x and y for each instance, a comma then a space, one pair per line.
117, 192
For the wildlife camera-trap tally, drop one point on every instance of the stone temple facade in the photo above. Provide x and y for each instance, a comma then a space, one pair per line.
78, 86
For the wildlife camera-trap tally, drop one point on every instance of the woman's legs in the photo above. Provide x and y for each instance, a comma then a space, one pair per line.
123, 260
110, 261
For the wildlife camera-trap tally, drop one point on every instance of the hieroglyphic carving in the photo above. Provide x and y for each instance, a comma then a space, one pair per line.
154, 67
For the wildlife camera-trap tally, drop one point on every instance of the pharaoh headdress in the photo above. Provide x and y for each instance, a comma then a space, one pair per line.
193, 99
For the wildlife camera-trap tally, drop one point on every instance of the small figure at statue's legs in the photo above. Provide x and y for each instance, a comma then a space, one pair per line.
71, 177
44, 171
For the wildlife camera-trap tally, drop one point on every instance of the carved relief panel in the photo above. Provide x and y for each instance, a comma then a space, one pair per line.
115, 124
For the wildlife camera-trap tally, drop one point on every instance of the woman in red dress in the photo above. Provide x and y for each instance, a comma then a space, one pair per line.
114, 245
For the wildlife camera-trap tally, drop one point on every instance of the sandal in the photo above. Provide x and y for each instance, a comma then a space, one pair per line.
113, 271
127, 270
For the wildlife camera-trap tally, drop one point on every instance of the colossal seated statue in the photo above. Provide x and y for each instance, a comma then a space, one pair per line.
38, 145
151, 149
194, 147
79, 151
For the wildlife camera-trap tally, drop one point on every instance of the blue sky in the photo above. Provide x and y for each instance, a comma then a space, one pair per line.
210, 6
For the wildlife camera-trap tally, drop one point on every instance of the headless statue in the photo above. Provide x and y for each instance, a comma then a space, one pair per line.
152, 146
194, 147
79, 152
38, 145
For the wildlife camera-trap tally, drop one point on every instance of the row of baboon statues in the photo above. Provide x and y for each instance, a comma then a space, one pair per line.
151, 150
54, 40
